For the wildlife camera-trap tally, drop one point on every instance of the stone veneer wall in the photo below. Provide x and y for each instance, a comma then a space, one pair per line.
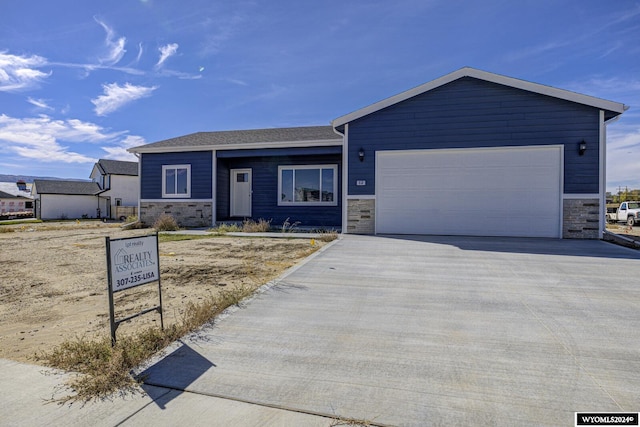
581, 219
361, 217
186, 214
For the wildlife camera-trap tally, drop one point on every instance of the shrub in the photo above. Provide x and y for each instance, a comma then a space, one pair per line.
327, 235
166, 223
131, 218
288, 227
6, 230
250, 226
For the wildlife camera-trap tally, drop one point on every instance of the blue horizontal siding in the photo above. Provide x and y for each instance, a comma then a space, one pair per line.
201, 173
294, 151
470, 113
264, 172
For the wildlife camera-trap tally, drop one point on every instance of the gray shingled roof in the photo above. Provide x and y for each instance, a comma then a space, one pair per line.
65, 187
252, 136
4, 195
118, 167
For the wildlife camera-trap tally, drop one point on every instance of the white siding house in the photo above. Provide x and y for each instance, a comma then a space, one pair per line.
118, 182
113, 183
67, 199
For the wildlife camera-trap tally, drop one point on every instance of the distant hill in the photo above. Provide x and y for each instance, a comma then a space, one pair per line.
29, 179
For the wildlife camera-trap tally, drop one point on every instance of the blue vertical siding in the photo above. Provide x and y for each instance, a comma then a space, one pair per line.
265, 190
201, 173
469, 113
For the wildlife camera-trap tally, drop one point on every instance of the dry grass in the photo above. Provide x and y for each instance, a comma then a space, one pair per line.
351, 422
327, 235
104, 370
250, 226
166, 223
288, 227
225, 228
131, 218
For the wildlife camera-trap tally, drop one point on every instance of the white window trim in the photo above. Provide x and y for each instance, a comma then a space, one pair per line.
164, 182
298, 167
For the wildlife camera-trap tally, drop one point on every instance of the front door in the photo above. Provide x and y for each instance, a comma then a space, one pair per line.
241, 192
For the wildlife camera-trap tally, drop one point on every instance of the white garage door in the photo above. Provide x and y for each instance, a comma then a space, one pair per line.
470, 192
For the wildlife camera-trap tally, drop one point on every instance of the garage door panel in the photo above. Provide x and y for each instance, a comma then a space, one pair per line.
493, 192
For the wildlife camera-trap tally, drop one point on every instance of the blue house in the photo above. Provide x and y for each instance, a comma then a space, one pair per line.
470, 153
273, 174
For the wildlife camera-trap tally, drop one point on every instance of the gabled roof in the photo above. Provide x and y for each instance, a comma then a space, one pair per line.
614, 108
117, 167
245, 139
45, 186
4, 195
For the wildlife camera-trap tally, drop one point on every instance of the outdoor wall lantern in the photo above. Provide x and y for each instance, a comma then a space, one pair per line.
361, 154
582, 147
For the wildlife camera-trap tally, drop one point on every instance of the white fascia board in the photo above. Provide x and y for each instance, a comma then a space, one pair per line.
176, 201
247, 146
487, 76
97, 168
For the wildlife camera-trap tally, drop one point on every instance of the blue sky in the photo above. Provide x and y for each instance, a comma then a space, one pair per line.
86, 80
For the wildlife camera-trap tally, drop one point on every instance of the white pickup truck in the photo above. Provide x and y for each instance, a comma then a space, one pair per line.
628, 212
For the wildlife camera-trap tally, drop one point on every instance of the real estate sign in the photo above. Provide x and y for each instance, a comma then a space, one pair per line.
133, 262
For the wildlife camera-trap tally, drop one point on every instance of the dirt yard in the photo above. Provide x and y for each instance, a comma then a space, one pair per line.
53, 280
624, 230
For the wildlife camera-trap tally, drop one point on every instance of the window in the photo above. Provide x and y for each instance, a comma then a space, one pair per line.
176, 181
308, 185
118, 202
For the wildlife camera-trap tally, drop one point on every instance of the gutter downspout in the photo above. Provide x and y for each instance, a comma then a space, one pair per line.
345, 175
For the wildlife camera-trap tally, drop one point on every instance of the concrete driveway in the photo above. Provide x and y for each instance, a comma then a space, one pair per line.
429, 331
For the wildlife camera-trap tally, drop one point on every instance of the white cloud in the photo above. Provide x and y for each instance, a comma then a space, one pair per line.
115, 96
40, 103
140, 50
92, 67
39, 138
115, 47
119, 152
606, 87
237, 82
166, 52
219, 32
20, 72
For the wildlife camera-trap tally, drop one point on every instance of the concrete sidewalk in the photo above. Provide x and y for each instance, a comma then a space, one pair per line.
26, 393
405, 331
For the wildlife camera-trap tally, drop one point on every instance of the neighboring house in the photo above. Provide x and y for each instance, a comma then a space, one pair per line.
470, 153
118, 182
114, 184
67, 199
15, 197
12, 204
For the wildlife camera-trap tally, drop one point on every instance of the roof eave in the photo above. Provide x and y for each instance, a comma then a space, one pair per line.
240, 146
487, 76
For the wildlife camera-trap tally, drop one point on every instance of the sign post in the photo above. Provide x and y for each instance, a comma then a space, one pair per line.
132, 262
